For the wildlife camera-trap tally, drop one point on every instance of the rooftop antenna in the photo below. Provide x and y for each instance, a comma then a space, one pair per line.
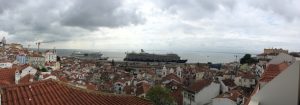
29, 46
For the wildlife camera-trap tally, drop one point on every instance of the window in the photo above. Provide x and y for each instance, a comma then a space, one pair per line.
185, 94
193, 97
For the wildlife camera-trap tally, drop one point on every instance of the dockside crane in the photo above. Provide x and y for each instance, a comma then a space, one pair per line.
39, 43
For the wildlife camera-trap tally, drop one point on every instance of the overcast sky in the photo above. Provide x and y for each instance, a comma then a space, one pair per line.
189, 25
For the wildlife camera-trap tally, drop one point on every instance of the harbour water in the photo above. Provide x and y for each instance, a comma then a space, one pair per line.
192, 57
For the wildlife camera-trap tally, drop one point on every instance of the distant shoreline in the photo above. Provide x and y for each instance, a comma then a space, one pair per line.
193, 57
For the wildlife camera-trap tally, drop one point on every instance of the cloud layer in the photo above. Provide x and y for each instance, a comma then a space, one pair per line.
153, 24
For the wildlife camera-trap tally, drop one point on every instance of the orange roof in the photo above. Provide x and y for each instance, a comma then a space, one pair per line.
142, 88
4, 83
91, 86
247, 75
50, 92
63, 78
272, 71
36, 55
177, 95
199, 85
172, 76
232, 95
8, 75
26, 78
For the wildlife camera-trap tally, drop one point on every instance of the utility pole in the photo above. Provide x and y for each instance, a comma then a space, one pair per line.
236, 65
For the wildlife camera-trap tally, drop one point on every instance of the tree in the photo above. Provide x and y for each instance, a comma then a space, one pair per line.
160, 96
58, 58
113, 62
43, 69
248, 59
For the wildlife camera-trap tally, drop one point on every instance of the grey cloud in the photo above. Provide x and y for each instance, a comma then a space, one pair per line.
289, 9
31, 20
197, 9
194, 9
91, 14
8, 4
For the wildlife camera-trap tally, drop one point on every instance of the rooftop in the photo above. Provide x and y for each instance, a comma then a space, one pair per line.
199, 85
172, 76
272, 71
7, 76
50, 92
232, 95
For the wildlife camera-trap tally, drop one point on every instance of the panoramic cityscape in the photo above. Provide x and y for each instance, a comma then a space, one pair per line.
150, 52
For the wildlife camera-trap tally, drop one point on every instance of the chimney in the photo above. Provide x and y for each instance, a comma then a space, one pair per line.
17, 77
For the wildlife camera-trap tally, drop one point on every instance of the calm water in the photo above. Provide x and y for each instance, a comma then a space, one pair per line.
192, 57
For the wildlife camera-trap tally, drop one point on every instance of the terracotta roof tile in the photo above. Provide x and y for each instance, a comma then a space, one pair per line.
50, 92
91, 86
247, 75
199, 85
8, 75
172, 76
26, 78
232, 95
142, 88
272, 71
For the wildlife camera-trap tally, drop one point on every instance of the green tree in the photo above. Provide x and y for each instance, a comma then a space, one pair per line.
43, 69
113, 62
159, 96
248, 59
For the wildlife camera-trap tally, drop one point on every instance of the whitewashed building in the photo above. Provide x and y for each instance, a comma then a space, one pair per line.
282, 90
282, 57
24, 70
177, 71
245, 79
233, 97
50, 56
6, 64
201, 92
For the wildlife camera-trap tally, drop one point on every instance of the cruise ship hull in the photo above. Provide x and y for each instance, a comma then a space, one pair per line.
88, 56
146, 57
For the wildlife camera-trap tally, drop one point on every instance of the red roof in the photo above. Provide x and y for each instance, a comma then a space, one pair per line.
129, 89
232, 95
26, 78
229, 82
142, 88
272, 71
91, 86
172, 76
4, 83
7, 75
177, 95
50, 92
247, 75
199, 85
35, 55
